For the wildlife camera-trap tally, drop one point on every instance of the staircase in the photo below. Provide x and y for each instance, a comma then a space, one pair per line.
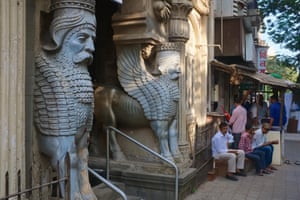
104, 192
115, 193
109, 190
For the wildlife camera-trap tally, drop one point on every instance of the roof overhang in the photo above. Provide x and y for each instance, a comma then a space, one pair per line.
222, 67
267, 79
262, 78
231, 67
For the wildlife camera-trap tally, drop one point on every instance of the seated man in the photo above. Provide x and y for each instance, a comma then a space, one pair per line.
258, 156
235, 157
259, 142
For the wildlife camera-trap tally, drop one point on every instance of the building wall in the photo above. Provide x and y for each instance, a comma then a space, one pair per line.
12, 96
20, 25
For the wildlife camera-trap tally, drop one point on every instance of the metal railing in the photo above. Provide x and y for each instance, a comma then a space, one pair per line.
143, 147
49, 185
108, 183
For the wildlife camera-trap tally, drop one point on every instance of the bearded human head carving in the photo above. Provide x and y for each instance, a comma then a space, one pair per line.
63, 93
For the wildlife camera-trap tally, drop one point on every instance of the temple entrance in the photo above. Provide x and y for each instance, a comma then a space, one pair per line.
104, 68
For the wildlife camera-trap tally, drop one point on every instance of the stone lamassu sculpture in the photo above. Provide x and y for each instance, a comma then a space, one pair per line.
150, 100
63, 93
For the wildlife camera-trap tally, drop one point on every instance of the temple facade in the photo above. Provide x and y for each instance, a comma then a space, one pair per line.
130, 33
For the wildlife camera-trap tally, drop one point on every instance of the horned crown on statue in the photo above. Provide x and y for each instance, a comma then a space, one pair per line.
80, 4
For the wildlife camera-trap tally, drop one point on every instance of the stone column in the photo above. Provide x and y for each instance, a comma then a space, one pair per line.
179, 33
12, 96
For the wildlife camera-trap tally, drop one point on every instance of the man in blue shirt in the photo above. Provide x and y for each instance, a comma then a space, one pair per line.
275, 109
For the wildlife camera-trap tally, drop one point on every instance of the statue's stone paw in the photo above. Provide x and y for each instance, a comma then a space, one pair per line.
90, 196
169, 157
119, 156
77, 196
93, 150
178, 158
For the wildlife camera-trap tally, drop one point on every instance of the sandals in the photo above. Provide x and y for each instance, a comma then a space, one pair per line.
272, 168
260, 173
233, 178
297, 162
288, 162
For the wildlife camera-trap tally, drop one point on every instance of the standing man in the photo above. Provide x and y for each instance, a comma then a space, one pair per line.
238, 121
259, 110
275, 111
63, 94
235, 157
259, 142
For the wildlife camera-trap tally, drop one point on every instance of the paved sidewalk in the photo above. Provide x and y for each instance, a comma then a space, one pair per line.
283, 184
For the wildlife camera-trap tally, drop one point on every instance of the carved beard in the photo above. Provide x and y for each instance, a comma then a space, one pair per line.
83, 58
78, 75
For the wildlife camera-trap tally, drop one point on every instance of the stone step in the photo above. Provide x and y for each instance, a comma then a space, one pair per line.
131, 198
104, 192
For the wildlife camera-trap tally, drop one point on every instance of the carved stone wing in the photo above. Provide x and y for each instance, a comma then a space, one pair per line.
141, 85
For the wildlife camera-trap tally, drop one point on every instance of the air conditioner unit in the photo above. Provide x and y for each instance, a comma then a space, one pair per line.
231, 8
231, 37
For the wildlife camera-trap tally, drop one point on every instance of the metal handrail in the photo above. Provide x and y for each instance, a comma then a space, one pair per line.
108, 183
143, 147
65, 180
34, 188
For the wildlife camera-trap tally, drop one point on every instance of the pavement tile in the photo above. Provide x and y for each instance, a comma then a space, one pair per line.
283, 184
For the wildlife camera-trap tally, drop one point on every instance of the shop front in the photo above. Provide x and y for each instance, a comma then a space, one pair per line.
231, 80
267, 85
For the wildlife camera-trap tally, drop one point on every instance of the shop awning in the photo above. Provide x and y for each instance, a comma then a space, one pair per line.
253, 74
222, 66
231, 67
269, 80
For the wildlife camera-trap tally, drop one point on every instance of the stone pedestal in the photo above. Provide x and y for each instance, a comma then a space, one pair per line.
151, 180
278, 148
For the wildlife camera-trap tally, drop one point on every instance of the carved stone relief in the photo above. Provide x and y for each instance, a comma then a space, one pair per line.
151, 100
142, 21
202, 6
63, 93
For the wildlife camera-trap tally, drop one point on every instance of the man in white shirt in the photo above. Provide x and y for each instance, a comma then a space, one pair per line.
260, 142
235, 157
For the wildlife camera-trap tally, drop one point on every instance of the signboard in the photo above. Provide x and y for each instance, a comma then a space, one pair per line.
262, 59
247, 86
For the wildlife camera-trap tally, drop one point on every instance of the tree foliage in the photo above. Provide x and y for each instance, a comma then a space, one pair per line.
285, 70
281, 21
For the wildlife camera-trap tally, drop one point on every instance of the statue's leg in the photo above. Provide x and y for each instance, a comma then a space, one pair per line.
114, 146
57, 147
94, 145
161, 130
117, 153
105, 116
173, 141
82, 152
